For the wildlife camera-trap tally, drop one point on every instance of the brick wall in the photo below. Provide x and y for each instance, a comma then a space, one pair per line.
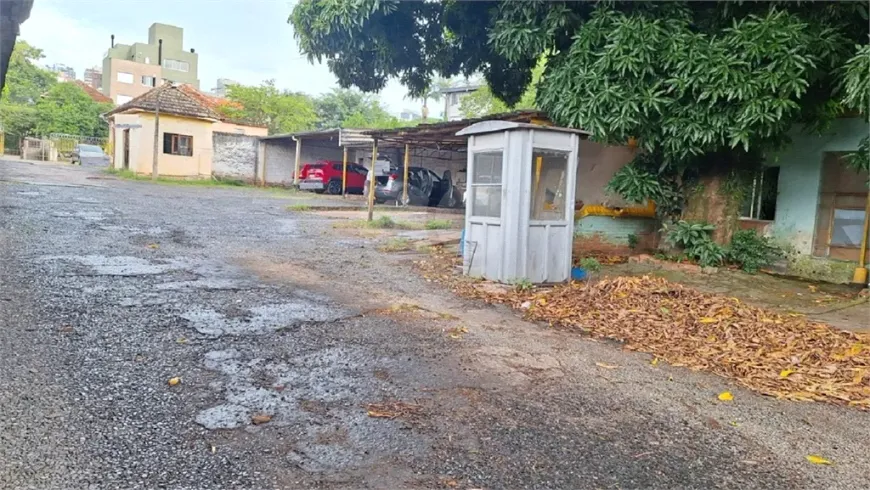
235, 156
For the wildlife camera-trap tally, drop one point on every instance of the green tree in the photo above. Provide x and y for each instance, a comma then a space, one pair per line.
281, 111
25, 81
348, 108
66, 108
705, 88
482, 102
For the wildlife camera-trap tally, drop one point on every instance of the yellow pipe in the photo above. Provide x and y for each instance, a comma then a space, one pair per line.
860, 276
344, 173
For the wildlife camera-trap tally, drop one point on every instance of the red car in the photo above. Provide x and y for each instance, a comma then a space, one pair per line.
325, 176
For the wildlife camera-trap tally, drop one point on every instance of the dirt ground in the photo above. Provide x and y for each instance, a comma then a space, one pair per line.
839, 305
305, 357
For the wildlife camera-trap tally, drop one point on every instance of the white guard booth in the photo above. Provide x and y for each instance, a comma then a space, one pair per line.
519, 209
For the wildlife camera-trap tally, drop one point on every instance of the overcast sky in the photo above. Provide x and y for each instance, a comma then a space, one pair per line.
247, 41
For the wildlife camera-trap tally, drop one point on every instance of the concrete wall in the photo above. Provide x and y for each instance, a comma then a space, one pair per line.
596, 167
800, 178
609, 234
235, 156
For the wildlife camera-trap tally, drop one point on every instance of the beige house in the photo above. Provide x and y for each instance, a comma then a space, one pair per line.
189, 125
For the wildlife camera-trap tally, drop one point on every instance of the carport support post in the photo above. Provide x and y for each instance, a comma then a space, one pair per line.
298, 160
374, 181
344, 173
156, 137
405, 177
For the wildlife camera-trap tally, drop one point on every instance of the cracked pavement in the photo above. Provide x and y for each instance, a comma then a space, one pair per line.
109, 288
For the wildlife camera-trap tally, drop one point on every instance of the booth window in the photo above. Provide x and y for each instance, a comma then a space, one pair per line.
549, 183
486, 184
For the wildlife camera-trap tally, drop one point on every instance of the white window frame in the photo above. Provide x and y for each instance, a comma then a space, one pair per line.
177, 65
126, 98
124, 77
474, 186
153, 80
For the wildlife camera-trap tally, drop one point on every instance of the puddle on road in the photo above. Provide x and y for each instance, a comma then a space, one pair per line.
122, 265
85, 215
322, 395
263, 319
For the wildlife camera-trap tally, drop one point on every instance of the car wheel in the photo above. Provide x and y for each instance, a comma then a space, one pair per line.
334, 187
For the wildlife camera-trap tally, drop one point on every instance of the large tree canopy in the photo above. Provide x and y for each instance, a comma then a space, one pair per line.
703, 87
346, 108
281, 110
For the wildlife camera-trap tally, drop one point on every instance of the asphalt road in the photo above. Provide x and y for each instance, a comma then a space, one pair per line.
110, 288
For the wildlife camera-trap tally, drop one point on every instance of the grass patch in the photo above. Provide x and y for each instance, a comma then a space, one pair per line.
381, 223
209, 182
397, 244
298, 207
438, 224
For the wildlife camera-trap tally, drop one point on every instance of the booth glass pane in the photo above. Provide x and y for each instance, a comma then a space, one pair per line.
847, 228
486, 201
549, 184
485, 185
487, 168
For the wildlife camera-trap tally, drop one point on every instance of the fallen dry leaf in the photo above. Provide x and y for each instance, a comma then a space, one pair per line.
181, 340
606, 366
785, 373
725, 396
685, 327
174, 381
812, 458
392, 409
260, 418
153, 246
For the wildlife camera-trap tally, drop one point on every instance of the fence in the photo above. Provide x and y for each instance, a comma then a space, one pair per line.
66, 143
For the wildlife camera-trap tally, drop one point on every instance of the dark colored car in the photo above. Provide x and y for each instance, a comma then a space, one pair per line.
426, 188
325, 176
89, 156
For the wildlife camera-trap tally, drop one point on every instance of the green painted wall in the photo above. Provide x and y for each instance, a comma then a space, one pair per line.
800, 177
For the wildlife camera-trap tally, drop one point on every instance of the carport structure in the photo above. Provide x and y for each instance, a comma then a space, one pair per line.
282, 155
437, 142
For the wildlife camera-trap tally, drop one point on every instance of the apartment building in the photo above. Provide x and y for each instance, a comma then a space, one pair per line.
94, 78
220, 89
130, 70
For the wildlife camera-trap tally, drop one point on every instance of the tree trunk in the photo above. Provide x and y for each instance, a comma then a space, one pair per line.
425, 111
713, 202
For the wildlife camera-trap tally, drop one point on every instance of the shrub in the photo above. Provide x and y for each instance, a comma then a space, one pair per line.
633, 240
590, 264
384, 222
752, 251
696, 242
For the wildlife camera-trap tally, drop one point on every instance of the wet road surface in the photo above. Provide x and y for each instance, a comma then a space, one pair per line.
110, 288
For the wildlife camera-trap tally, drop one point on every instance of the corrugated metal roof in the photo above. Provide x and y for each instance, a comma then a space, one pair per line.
341, 137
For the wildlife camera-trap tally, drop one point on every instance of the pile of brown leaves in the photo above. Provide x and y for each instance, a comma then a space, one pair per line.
393, 409
781, 355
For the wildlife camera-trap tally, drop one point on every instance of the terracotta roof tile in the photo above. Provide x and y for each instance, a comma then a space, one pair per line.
173, 100
94, 94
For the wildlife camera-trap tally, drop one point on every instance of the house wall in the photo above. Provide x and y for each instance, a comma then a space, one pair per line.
611, 234
197, 165
235, 156
800, 179
136, 139
598, 163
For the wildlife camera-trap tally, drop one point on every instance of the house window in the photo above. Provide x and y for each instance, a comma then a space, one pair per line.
847, 228
123, 99
125, 77
176, 65
148, 81
177, 144
760, 200
486, 184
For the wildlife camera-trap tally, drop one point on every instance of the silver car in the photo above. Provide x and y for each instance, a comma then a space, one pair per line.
89, 156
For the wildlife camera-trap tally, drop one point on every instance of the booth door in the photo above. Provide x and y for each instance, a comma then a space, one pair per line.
551, 215
482, 250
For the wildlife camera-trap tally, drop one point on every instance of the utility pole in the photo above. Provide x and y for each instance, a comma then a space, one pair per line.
156, 136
